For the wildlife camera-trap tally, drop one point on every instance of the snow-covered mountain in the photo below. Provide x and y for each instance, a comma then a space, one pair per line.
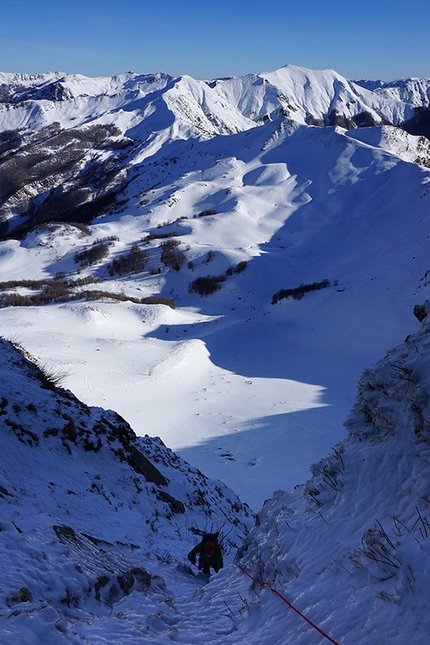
218, 262
125, 197
62, 135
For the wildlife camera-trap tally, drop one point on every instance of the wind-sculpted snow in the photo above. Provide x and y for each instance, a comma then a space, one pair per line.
351, 547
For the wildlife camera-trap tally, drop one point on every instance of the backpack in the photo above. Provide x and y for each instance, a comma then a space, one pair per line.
209, 546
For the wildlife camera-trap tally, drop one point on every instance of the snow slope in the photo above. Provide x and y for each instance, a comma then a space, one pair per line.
352, 545
90, 512
218, 167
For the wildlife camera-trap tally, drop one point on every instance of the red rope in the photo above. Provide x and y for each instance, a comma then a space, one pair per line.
263, 584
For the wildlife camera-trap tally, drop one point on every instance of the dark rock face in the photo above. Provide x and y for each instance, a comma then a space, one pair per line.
419, 124
421, 311
55, 91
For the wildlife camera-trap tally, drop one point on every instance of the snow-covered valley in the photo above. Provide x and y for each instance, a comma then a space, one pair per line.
218, 262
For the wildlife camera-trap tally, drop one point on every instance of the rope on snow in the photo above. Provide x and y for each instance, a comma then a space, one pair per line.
265, 584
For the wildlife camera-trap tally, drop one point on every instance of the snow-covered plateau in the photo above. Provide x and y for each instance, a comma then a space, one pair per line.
208, 269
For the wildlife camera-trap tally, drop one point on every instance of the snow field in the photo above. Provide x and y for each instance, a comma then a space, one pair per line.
235, 376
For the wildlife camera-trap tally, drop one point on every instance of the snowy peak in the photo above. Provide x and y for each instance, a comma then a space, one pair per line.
326, 98
68, 142
234, 104
320, 96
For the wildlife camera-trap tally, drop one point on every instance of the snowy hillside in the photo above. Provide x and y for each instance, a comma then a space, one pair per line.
153, 226
90, 512
352, 546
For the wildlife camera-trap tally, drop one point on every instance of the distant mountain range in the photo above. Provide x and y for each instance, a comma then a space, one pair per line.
68, 142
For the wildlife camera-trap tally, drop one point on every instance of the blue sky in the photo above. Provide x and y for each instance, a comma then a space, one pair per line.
364, 39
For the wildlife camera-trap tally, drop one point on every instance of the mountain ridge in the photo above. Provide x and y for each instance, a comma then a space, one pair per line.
100, 129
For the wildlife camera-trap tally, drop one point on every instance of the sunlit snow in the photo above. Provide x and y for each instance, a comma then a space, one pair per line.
249, 392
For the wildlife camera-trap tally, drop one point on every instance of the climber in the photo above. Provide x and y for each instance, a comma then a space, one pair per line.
210, 554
